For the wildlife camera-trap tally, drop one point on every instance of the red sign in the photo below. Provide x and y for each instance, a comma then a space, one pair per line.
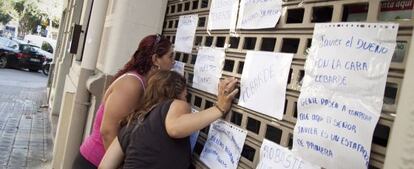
396, 5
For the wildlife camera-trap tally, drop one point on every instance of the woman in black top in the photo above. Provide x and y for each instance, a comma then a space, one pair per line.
157, 135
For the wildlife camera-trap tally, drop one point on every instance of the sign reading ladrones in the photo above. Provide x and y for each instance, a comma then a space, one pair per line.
274, 156
187, 25
342, 93
208, 69
223, 14
223, 146
256, 14
263, 82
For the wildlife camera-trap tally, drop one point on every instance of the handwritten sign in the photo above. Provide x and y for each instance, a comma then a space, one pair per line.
342, 93
255, 14
208, 69
194, 136
223, 146
179, 67
274, 156
185, 33
223, 14
263, 82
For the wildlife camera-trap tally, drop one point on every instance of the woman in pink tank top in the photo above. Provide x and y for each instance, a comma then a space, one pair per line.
122, 97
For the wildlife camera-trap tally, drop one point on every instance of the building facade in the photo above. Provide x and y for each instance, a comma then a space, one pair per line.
97, 38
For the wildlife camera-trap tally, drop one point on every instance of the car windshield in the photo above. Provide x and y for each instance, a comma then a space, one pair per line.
4, 41
8, 43
28, 48
13, 44
35, 47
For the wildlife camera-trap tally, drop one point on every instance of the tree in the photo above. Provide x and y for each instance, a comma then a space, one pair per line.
5, 17
5, 12
19, 6
29, 16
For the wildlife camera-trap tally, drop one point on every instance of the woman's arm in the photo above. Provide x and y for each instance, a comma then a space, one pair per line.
113, 156
120, 103
180, 122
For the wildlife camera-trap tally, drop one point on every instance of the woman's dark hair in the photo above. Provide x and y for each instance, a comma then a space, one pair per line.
162, 85
141, 60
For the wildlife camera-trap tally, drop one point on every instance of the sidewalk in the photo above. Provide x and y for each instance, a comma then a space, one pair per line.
25, 140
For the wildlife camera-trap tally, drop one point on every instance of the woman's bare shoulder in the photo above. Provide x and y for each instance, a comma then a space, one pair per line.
180, 105
128, 84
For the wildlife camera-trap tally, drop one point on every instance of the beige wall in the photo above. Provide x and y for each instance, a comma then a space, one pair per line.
401, 146
62, 129
129, 22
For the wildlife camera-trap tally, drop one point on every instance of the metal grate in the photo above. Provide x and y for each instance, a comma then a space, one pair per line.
292, 34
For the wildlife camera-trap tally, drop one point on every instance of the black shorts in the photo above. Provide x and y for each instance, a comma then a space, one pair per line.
82, 163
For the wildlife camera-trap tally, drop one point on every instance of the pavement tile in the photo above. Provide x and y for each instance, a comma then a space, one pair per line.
24, 128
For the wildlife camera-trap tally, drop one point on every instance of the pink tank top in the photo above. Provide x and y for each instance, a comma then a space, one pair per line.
92, 148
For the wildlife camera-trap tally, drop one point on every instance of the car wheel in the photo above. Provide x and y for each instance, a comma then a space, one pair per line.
3, 61
45, 69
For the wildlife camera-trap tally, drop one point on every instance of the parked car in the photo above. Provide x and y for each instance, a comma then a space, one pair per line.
47, 62
46, 44
20, 55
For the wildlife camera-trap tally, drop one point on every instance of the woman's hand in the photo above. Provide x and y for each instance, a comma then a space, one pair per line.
226, 92
180, 122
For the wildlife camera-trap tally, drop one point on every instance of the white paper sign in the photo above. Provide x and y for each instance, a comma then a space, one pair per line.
223, 146
256, 14
223, 14
179, 67
208, 69
342, 93
194, 136
187, 25
263, 82
274, 156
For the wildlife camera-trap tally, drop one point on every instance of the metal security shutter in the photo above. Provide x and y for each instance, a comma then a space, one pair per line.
292, 34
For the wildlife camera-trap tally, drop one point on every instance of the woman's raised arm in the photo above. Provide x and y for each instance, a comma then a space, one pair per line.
180, 122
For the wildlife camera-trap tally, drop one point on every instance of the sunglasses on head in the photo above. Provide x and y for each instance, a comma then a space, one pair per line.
157, 40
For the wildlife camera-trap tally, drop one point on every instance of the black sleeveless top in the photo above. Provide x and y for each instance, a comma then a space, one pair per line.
149, 146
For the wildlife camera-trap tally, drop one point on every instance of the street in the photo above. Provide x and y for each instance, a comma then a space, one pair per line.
25, 140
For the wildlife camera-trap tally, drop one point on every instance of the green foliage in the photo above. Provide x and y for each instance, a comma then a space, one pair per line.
5, 18
19, 6
55, 22
27, 13
5, 12
29, 21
